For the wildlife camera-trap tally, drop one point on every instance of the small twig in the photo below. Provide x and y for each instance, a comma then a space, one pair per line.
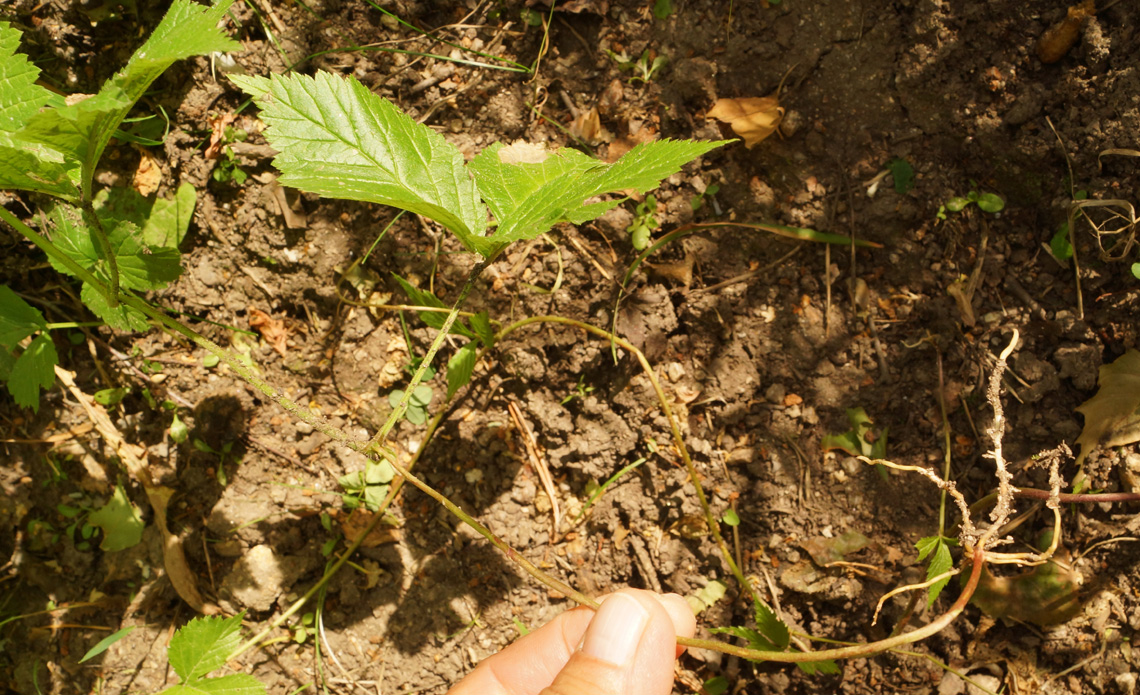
539, 463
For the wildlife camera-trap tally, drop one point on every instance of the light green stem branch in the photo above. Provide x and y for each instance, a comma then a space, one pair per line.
380, 437
96, 225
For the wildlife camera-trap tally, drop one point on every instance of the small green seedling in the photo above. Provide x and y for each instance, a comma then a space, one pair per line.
698, 202
861, 439
304, 629
202, 646
78, 517
646, 66
227, 169
119, 519
225, 455
418, 407
662, 9
986, 202
644, 222
579, 391
902, 173
368, 487
772, 634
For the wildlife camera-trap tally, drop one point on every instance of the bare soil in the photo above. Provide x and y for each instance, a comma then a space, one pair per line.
762, 350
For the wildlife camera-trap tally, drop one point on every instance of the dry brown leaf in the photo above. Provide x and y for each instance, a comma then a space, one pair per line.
752, 118
1112, 416
1060, 38
271, 329
218, 135
293, 219
149, 174
625, 143
587, 126
358, 521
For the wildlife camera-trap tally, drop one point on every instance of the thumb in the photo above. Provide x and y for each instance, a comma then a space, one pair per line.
628, 649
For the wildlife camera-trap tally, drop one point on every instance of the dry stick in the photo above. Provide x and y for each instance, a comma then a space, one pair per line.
539, 467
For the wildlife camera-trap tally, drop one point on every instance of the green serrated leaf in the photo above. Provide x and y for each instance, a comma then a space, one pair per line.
926, 545
20, 96
82, 130
31, 167
7, 363
902, 173
940, 562
563, 197
814, 667
771, 627
433, 319
33, 370
18, 319
460, 368
507, 185
754, 639
203, 644
121, 317
140, 267
120, 520
340, 140
105, 643
233, 684
715, 686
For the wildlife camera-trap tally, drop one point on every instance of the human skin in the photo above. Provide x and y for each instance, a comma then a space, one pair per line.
627, 647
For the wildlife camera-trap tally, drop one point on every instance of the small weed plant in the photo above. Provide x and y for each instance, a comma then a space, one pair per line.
337, 139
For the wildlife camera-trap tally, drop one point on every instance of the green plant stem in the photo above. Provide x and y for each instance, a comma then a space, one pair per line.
381, 436
501, 545
73, 324
96, 225
678, 439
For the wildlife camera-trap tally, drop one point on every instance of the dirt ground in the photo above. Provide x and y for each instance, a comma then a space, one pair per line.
760, 340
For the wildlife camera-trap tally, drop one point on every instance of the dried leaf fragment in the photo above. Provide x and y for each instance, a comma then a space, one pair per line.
271, 329
1112, 416
148, 176
752, 118
1060, 38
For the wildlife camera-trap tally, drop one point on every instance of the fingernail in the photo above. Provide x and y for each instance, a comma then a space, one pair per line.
615, 631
